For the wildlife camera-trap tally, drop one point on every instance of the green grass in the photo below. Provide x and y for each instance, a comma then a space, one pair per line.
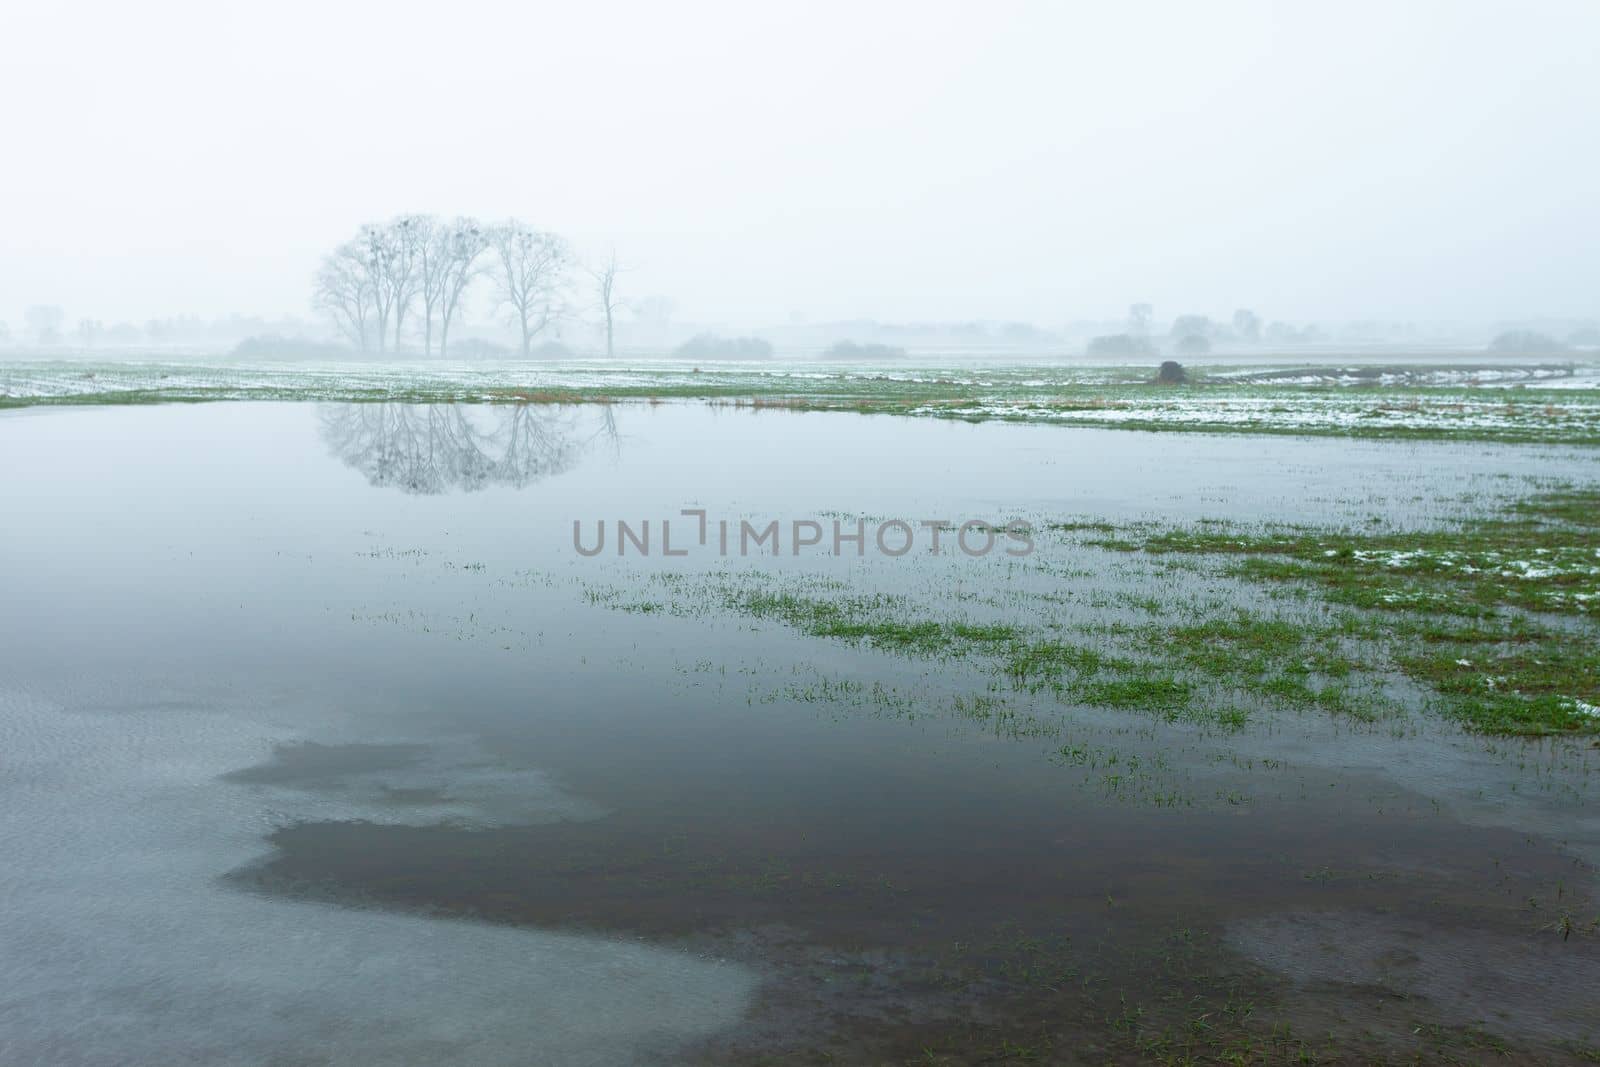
1177, 671
1474, 608
1499, 644
1146, 692
867, 619
1117, 398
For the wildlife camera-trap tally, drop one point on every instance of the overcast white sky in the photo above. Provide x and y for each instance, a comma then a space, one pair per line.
925, 160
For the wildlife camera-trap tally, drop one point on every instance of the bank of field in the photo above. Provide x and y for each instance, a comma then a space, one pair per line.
1528, 403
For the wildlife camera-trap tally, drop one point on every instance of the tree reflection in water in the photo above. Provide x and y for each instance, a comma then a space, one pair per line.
438, 448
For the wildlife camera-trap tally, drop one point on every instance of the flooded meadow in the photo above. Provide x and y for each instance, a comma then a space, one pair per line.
330, 736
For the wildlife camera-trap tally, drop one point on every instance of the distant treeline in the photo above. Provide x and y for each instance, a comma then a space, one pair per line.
1195, 334
46, 325
710, 346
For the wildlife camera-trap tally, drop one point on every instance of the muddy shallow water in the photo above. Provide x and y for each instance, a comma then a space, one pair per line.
321, 743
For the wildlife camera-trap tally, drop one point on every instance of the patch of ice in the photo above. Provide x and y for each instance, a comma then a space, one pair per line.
449, 781
119, 945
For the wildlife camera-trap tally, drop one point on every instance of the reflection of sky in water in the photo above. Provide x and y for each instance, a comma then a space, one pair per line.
233, 533
204, 583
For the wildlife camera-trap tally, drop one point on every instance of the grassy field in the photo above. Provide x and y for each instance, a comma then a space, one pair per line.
1549, 404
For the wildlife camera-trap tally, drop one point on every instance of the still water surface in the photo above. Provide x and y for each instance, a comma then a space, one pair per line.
319, 746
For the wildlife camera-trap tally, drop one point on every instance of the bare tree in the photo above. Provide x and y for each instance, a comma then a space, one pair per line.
531, 271
346, 289
605, 292
44, 322
428, 268
1247, 324
394, 251
450, 260
1192, 326
1140, 319
372, 248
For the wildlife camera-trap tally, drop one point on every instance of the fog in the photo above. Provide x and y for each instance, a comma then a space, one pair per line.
757, 165
720, 533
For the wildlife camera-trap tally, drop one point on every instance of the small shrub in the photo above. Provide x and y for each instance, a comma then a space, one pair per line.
710, 346
551, 350
851, 350
1525, 341
477, 348
1120, 345
272, 346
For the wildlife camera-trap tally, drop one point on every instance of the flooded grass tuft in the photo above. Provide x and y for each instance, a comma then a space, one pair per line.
1521, 656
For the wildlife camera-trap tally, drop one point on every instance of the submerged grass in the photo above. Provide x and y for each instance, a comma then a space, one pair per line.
1491, 618
1075, 673
1495, 615
1207, 671
869, 619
